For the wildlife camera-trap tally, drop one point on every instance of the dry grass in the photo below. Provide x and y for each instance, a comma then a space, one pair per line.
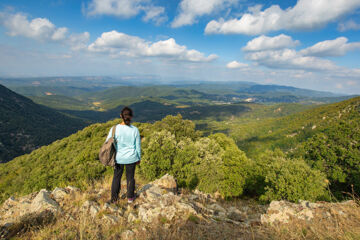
328, 224
76, 225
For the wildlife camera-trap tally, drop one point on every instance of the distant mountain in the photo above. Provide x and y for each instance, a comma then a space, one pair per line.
25, 126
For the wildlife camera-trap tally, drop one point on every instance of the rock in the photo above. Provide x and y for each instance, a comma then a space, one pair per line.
236, 215
217, 208
278, 211
305, 214
110, 208
169, 212
185, 207
9, 203
282, 211
307, 204
167, 182
128, 235
148, 213
110, 218
42, 202
59, 193
94, 210
132, 217
72, 189
90, 206
153, 193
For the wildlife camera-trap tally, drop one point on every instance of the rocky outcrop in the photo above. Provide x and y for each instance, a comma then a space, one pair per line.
284, 212
36, 208
158, 203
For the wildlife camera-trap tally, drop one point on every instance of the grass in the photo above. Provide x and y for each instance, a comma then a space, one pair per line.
82, 226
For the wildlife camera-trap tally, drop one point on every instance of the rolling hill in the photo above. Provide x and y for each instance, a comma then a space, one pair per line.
74, 159
26, 126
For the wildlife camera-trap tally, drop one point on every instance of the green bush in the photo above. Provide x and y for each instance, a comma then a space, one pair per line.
278, 177
336, 152
213, 164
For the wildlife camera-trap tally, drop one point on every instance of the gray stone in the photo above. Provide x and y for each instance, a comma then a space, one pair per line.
42, 201
236, 215
93, 210
216, 208
167, 182
90, 206
110, 208
111, 218
128, 235
59, 193
153, 193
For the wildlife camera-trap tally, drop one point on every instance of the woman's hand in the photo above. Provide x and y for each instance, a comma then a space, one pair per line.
138, 162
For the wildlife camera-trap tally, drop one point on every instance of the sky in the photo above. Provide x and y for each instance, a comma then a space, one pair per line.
312, 44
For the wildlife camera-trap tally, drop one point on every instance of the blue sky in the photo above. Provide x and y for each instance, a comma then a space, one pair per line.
305, 43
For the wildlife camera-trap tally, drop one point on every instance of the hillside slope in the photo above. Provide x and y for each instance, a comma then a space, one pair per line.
287, 132
26, 126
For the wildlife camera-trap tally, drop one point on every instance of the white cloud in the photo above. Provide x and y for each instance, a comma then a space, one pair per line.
328, 48
276, 52
348, 25
119, 8
289, 59
305, 15
154, 14
270, 43
127, 9
235, 64
41, 29
59, 34
120, 44
191, 9
38, 28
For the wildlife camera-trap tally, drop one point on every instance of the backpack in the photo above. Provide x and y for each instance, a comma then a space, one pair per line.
108, 151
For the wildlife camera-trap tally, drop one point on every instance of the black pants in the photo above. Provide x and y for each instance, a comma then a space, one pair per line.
130, 181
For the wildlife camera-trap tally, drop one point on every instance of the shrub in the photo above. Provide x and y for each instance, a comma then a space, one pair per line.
336, 152
158, 156
278, 177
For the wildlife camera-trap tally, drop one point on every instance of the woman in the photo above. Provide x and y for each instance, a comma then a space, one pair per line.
128, 155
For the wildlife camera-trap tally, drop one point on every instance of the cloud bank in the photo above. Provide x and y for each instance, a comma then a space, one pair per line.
127, 9
305, 15
118, 44
190, 10
41, 29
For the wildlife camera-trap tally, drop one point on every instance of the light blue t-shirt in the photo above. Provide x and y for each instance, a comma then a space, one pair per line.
128, 144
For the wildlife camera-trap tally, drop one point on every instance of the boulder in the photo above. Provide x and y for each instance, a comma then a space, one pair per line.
59, 193
43, 201
167, 182
282, 211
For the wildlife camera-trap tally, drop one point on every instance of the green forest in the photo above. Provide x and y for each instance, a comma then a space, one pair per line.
311, 155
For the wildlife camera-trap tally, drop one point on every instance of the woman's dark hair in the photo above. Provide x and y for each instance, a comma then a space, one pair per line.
128, 110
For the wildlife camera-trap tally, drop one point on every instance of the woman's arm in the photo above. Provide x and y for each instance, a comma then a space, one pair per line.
110, 134
138, 144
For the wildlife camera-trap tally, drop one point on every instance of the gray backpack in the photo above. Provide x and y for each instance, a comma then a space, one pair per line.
108, 151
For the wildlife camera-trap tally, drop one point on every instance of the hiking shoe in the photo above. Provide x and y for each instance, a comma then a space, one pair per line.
131, 200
